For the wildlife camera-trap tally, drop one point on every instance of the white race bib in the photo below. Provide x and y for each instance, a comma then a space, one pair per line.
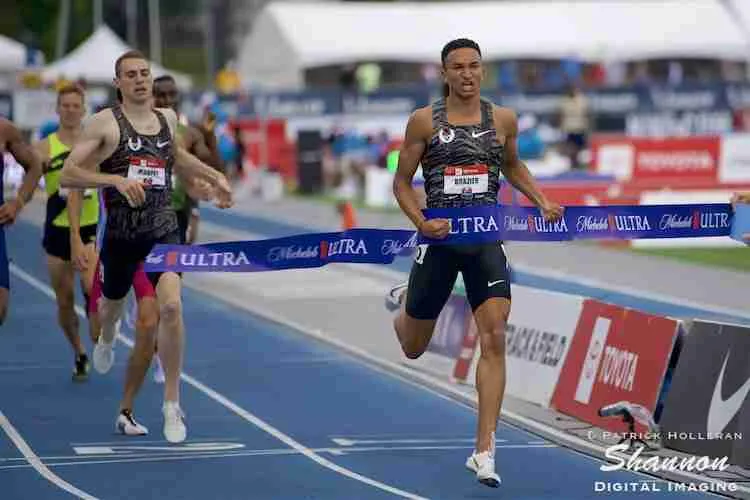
466, 179
150, 171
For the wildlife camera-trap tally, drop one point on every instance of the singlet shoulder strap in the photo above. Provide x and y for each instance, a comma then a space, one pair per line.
162, 119
439, 114
488, 119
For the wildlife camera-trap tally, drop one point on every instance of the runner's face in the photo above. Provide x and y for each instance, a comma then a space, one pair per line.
135, 81
166, 95
70, 109
463, 72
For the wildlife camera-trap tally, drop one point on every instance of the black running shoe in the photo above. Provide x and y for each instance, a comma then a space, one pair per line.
81, 368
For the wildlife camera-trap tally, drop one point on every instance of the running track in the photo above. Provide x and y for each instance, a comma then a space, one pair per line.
271, 413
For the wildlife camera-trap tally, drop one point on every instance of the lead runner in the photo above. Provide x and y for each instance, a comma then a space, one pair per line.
134, 144
463, 142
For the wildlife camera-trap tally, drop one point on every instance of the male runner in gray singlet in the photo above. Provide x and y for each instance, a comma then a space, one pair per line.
464, 143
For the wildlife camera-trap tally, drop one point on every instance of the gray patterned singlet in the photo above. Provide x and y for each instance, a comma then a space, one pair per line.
461, 166
151, 157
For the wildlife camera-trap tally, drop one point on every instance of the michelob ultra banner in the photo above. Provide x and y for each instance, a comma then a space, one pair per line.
467, 226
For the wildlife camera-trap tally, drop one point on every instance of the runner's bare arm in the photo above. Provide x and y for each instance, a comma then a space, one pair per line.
42, 149
206, 149
418, 129
188, 166
514, 169
26, 157
79, 173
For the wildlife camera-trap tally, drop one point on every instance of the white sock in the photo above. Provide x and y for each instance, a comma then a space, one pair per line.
109, 328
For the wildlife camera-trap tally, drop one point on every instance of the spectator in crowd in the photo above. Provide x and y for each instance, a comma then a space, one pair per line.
574, 123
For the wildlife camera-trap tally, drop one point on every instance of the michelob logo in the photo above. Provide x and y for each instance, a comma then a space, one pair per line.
344, 246
710, 220
628, 223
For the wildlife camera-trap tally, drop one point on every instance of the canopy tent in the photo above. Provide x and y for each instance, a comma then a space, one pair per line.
94, 60
12, 54
288, 38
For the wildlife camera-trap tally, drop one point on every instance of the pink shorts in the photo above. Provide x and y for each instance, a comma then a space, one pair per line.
141, 284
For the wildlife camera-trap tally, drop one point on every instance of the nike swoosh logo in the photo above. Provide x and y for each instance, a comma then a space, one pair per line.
493, 283
474, 134
161, 144
722, 411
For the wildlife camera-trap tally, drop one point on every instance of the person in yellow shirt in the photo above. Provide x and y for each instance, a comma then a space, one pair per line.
57, 241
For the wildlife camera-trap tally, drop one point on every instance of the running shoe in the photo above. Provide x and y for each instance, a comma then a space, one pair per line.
174, 424
127, 425
81, 368
104, 355
395, 297
483, 464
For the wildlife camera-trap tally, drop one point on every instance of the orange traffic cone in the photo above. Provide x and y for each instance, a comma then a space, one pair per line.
348, 215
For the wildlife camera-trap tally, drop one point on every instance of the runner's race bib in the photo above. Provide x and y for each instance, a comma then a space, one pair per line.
468, 179
150, 171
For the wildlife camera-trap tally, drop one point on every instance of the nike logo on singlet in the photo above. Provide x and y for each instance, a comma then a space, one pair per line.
476, 134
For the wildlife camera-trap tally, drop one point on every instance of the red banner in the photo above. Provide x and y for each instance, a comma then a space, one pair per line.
677, 158
617, 354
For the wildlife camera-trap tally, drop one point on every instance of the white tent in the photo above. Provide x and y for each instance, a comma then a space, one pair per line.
288, 38
94, 60
12, 54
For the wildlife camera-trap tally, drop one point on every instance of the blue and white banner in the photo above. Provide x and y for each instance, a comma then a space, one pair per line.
467, 226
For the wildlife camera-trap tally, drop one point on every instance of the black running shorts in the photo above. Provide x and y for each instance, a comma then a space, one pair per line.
120, 259
56, 239
484, 268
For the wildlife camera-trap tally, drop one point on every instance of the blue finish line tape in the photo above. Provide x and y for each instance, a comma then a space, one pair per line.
468, 226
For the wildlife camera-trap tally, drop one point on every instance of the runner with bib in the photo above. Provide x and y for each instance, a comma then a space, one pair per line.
464, 143
59, 234
198, 140
134, 144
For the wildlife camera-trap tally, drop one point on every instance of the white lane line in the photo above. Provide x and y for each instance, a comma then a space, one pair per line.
37, 463
162, 457
236, 409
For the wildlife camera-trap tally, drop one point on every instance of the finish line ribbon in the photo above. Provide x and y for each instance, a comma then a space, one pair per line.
468, 226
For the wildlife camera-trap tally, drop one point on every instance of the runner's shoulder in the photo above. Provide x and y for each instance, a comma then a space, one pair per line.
506, 118
420, 121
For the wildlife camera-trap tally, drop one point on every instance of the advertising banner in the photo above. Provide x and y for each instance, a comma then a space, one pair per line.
707, 408
617, 354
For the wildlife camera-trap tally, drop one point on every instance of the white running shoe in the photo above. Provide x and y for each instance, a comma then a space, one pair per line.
127, 425
174, 424
104, 355
159, 377
395, 297
483, 464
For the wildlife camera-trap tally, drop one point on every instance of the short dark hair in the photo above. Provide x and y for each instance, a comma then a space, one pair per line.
71, 88
458, 43
131, 54
164, 78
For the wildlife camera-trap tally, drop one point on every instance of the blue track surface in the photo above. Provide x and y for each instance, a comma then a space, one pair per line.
249, 379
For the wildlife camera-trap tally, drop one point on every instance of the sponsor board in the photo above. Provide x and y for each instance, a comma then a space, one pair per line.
536, 345
616, 354
707, 408
695, 158
734, 165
